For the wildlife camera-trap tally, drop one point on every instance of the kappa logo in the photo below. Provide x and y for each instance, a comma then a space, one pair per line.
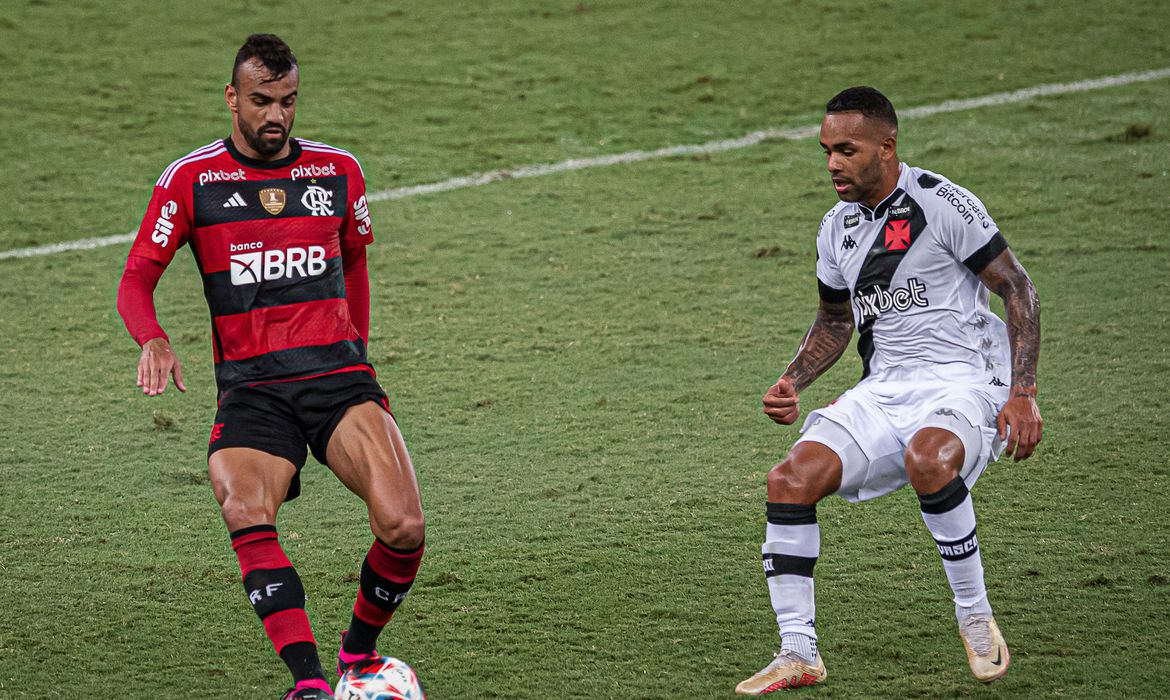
851, 220
266, 265
272, 199
848, 243
163, 226
318, 200
313, 171
897, 234
222, 176
361, 212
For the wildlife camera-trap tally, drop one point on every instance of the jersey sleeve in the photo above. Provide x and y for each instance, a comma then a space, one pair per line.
967, 231
357, 229
831, 284
168, 222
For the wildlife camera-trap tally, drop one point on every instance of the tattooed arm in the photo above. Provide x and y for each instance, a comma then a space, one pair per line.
1020, 415
824, 343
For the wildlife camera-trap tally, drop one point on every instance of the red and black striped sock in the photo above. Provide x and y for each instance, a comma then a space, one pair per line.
387, 575
276, 593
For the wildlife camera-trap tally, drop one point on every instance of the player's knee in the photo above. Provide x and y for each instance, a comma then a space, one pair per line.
927, 469
787, 483
239, 513
401, 530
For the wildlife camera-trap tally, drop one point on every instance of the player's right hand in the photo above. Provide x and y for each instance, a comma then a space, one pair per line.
157, 365
781, 402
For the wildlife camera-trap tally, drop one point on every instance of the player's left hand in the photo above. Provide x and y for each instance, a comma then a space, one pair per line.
1019, 423
782, 402
157, 365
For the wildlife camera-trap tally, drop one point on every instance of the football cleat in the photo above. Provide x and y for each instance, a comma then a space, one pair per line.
786, 671
343, 665
987, 653
307, 694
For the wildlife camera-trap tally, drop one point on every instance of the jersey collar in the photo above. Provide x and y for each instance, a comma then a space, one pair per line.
294, 152
880, 210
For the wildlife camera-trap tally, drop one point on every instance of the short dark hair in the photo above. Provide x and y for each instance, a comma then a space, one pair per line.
866, 100
271, 50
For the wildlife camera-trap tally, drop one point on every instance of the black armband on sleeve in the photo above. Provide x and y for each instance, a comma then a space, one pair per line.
832, 295
980, 259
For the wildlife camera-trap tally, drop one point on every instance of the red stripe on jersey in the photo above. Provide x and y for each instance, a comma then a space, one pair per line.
266, 330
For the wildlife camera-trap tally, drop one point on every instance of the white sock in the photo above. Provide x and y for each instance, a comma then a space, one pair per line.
792, 544
949, 514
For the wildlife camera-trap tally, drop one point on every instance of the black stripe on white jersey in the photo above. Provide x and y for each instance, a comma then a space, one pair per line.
877, 271
978, 261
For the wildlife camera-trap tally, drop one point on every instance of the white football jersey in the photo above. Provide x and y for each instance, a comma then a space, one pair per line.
910, 268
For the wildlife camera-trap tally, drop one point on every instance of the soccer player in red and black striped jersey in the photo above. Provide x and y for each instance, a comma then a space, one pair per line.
278, 228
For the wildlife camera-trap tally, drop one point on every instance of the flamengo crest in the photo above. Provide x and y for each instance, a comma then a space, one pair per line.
318, 200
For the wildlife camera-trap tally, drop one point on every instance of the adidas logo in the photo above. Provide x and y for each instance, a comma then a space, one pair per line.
235, 201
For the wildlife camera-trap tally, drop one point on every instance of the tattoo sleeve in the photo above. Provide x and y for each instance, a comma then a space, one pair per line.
1007, 278
824, 343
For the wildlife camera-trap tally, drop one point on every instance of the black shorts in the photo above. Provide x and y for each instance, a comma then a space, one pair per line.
281, 418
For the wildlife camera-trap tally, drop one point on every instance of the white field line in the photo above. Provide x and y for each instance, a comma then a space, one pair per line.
747, 141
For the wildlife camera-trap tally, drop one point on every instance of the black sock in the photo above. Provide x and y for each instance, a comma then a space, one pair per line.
302, 661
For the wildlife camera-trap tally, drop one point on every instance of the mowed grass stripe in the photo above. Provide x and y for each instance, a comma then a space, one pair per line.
747, 141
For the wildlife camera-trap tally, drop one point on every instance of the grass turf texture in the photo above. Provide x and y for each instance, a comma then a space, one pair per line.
577, 361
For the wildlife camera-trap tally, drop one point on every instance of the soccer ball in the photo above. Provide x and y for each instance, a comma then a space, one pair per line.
385, 678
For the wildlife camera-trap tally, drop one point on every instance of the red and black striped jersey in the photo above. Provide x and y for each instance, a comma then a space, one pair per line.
268, 238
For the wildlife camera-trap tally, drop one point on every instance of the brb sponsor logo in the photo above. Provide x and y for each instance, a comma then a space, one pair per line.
163, 226
266, 265
221, 176
313, 171
962, 202
878, 301
361, 212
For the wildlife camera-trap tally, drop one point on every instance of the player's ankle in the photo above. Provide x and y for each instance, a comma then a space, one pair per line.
979, 607
802, 645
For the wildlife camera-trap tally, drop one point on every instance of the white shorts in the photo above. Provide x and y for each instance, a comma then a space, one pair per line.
870, 425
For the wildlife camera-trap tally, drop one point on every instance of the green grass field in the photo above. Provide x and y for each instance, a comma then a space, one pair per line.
576, 361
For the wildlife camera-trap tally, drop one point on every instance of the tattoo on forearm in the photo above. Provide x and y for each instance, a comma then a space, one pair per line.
1021, 305
824, 343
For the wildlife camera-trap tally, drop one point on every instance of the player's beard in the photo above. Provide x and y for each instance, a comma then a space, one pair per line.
267, 145
865, 182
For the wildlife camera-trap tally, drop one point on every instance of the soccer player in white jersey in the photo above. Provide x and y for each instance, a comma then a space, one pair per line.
909, 259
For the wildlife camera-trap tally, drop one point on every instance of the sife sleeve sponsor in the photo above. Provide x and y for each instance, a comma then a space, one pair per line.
357, 228
166, 226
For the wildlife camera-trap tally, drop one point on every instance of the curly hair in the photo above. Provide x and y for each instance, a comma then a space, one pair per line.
271, 50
